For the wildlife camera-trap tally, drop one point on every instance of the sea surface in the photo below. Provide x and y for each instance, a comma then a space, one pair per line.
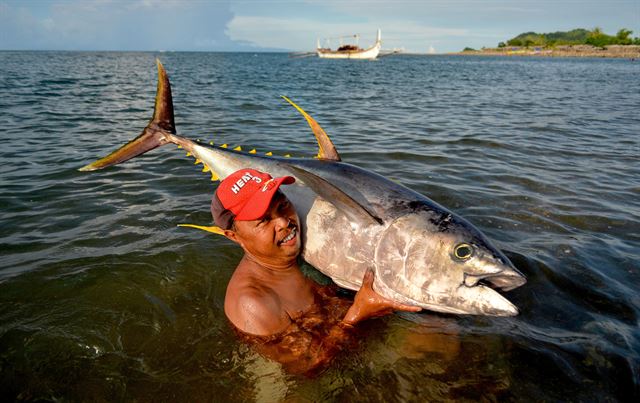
104, 298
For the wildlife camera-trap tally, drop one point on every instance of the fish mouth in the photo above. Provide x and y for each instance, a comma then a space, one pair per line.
504, 281
498, 273
484, 289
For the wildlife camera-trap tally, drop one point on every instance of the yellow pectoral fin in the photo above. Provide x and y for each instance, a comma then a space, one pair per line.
213, 228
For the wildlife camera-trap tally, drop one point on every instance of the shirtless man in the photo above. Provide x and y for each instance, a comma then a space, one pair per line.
269, 301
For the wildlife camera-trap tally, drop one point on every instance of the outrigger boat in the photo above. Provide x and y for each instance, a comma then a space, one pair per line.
351, 51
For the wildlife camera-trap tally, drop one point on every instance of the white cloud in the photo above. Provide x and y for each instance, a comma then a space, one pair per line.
414, 25
301, 33
448, 25
159, 4
115, 25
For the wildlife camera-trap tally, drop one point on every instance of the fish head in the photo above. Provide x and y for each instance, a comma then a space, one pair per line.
441, 262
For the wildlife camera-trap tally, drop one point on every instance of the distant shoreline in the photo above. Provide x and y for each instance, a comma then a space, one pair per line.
611, 51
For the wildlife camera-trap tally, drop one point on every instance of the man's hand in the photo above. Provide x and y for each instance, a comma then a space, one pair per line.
368, 303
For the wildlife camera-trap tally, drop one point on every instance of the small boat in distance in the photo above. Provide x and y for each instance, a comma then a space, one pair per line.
351, 51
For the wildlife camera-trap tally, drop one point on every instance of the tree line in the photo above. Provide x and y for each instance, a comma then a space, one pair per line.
578, 36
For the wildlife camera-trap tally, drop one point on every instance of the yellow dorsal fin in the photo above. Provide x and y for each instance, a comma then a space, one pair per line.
197, 162
239, 148
327, 151
253, 151
213, 228
269, 153
225, 145
206, 168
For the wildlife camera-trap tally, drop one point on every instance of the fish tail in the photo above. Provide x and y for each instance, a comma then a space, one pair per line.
161, 129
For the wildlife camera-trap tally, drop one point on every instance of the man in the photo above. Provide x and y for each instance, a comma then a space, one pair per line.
269, 301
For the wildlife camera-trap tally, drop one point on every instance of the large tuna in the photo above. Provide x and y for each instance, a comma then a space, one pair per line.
353, 219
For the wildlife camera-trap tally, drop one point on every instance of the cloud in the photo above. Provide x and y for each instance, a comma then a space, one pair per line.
221, 25
115, 25
416, 25
301, 33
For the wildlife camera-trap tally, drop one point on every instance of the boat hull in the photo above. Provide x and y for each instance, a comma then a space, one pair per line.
363, 54
367, 54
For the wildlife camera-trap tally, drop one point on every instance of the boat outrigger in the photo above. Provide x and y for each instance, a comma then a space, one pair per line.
351, 51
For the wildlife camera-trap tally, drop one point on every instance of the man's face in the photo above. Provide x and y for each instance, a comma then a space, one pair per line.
274, 238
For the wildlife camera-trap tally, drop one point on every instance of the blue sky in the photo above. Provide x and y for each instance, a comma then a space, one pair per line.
236, 25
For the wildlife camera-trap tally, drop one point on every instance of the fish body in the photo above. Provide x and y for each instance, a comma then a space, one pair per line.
354, 220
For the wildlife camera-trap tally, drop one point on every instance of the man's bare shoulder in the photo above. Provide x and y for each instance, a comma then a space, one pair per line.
254, 309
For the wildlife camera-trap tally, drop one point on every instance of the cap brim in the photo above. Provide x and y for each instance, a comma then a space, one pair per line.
257, 206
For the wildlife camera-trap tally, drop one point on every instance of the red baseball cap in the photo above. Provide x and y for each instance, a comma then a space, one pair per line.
244, 195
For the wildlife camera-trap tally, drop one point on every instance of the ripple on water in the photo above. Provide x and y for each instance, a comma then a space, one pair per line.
102, 297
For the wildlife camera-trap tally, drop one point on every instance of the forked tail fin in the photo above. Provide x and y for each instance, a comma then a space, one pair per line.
157, 133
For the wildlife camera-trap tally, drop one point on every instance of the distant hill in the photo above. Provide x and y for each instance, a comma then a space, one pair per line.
578, 36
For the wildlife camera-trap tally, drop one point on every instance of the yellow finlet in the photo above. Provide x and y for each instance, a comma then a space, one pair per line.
253, 151
287, 155
214, 177
269, 153
206, 168
211, 143
197, 162
213, 228
179, 146
239, 148
188, 154
225, 145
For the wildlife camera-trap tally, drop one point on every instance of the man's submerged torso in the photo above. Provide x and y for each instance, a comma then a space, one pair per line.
310, 341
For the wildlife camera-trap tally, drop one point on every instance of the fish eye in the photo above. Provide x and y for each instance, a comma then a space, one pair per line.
463, 251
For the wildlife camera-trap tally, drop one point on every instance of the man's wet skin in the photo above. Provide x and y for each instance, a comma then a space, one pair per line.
267, 289
274, 306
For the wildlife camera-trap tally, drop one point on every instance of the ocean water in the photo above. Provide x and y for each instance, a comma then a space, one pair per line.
103, 297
